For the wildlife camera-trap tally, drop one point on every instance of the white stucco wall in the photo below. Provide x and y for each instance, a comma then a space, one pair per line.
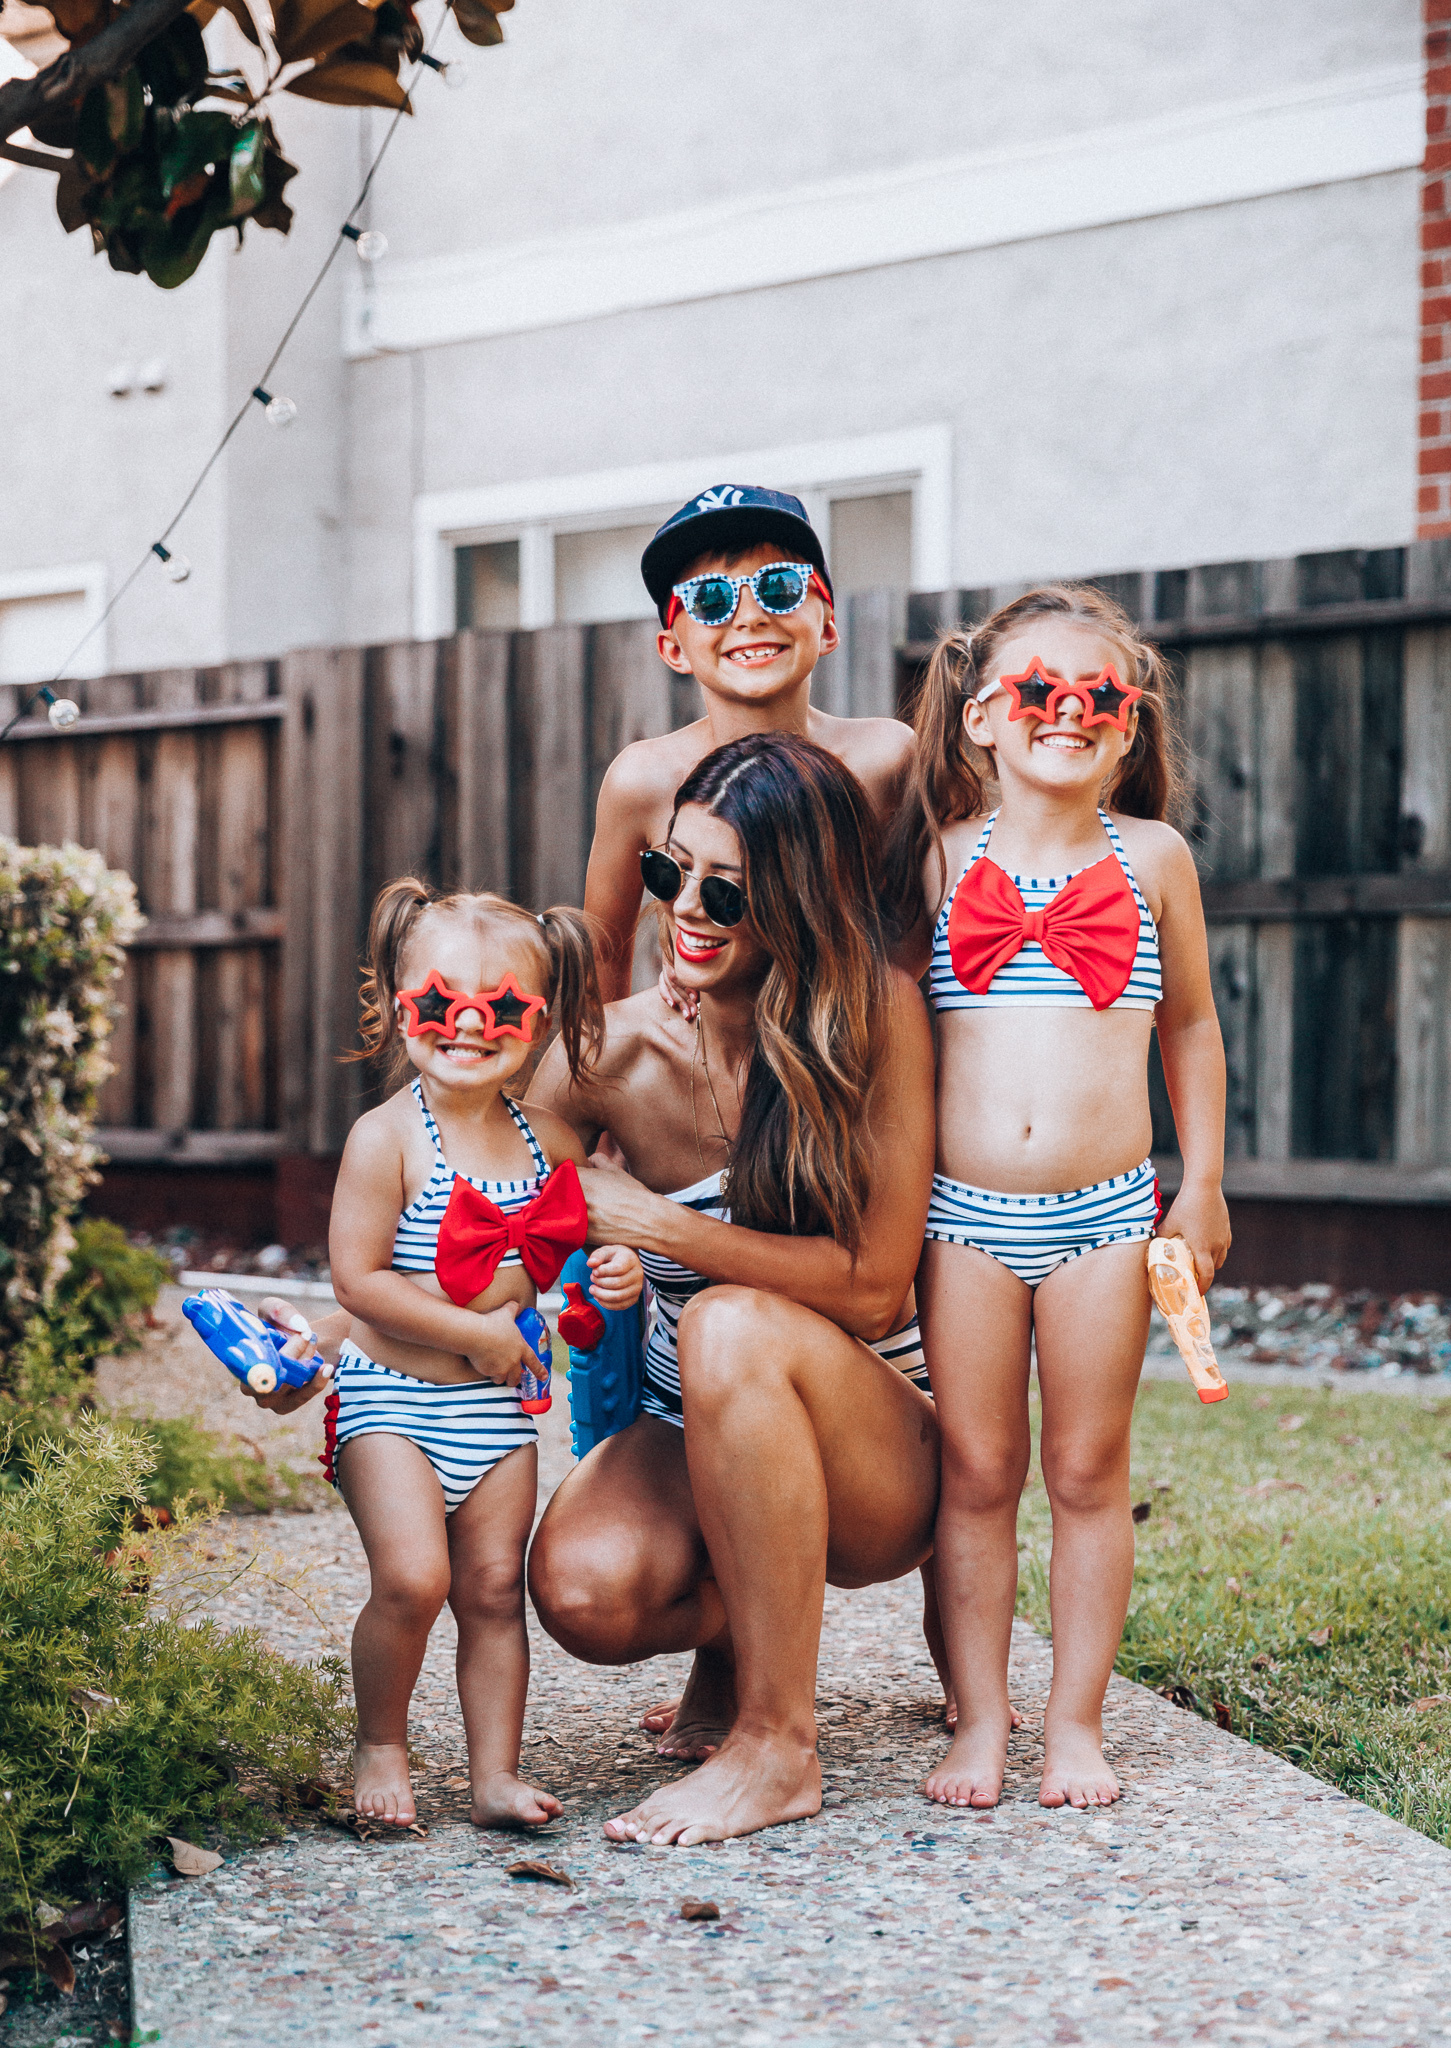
1220, 380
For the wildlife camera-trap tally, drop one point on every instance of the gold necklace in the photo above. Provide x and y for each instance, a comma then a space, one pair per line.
701, 1048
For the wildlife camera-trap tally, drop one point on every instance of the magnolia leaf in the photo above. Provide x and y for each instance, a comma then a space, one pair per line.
79, 20
95, 145
56, 128
546, 1873
477, 22
274, 212
314, 28
202, 11
71, 190
198, 142
347, 80
58, 1966
191, 1861
248, 181
242, 15
174, 64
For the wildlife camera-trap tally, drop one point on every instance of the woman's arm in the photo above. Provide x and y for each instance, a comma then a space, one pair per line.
367, 1203
862, 1296
1192, 1051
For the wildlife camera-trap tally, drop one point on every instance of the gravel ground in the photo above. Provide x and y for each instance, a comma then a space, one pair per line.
1229, 1898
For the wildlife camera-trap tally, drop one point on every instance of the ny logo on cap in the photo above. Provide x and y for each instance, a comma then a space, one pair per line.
714, 500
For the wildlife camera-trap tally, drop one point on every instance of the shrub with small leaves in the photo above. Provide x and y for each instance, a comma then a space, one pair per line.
64, 920
124, 1716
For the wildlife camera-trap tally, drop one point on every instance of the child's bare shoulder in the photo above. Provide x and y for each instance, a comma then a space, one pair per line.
1159, 856
647, 773
878, 751
380, 1134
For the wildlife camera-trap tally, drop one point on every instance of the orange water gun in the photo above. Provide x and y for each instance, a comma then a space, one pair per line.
1175, 1288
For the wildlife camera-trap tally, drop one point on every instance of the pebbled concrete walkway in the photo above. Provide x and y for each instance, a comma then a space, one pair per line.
1228, 1899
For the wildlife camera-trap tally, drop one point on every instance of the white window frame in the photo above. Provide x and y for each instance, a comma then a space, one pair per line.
86, 580
535, 510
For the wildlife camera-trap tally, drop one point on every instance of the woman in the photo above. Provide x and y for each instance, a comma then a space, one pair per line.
778, 1449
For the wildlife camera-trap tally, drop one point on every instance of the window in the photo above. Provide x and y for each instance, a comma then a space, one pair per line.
486, 585
43, 613
870, 546
597, 575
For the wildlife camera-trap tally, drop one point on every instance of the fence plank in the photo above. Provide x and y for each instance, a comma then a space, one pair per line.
9, 767
1426, 785
295, 887
168, 877
1343, 1081
1221, 722
1231, 950
399, 780
476, 743
110, 821
1423, 1042
337, 896
1328, 678
1274, 975
550, 699
50, 794
232, 981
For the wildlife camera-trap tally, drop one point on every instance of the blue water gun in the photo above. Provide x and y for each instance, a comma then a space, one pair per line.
534, 1395
606, 1360
248, 1347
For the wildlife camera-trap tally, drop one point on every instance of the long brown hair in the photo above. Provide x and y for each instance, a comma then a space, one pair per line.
561, 937
802, 1160
949, 772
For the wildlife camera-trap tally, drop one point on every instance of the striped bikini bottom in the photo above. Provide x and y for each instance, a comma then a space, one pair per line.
1035, 1234
463, 1429
903, 1349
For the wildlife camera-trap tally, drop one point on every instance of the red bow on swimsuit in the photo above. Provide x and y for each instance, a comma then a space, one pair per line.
1090, 929
475, 1234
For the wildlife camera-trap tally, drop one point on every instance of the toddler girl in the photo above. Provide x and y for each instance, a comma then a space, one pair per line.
1067, 928
451, 1207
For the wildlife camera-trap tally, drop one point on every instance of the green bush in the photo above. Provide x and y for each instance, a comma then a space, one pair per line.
111, 1283
124, 1719
64, 919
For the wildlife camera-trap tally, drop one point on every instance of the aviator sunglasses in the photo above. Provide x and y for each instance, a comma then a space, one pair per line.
1037, 693
723, 901
779, 588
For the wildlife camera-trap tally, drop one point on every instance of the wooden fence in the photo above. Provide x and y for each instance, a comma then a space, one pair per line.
260, 806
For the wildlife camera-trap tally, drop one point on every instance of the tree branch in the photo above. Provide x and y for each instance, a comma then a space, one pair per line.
40, 160
25, 100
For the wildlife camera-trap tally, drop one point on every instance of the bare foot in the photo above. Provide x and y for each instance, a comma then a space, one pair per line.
1074, 1772
695, 1725
971, 1773
751, 1782
382, 1789
503, 1801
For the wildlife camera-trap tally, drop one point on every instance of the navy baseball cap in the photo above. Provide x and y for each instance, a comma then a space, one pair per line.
721, 520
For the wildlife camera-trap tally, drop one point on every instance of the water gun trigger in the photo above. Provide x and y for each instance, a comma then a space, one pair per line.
580, 1323
535, 1397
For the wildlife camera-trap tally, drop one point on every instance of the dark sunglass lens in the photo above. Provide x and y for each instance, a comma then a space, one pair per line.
724, 902
1034, 693
713, 601
780, 590
662, 876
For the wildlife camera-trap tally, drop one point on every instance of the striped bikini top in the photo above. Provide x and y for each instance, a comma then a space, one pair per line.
1001, 956
415, 1248
672, 1285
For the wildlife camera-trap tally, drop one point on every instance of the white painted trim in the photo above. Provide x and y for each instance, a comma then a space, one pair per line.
534, 509
86, 580
1354, 126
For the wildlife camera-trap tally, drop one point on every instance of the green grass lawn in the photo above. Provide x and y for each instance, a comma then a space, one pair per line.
1294, 1579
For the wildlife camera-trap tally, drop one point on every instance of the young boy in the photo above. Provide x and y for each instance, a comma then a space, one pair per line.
753, 661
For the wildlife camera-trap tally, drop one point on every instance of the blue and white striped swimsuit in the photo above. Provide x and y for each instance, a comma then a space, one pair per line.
1035, 1234
463, 1428
673, 1286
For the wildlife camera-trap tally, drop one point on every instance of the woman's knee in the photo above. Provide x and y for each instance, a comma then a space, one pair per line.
590, 1586
728, 1337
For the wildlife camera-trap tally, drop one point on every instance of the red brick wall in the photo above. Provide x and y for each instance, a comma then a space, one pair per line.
1433, 497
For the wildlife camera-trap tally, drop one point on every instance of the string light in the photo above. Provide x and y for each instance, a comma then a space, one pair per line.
177, 567
371, 246
281, 412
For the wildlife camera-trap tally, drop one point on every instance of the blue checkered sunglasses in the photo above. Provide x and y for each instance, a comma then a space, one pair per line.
779, 588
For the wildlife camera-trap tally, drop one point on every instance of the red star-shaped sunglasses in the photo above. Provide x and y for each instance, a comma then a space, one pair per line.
1038, 693
508, 1011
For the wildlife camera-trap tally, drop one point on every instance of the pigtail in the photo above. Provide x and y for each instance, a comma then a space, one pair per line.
575, 1005
1150, 781
399, 906
945, 782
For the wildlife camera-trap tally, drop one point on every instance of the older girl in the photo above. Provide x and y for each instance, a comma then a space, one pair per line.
1067, 928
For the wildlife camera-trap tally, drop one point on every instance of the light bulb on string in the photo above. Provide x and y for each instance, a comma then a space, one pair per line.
371, 246
455, 75
61, 711
281, 412
177, 567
